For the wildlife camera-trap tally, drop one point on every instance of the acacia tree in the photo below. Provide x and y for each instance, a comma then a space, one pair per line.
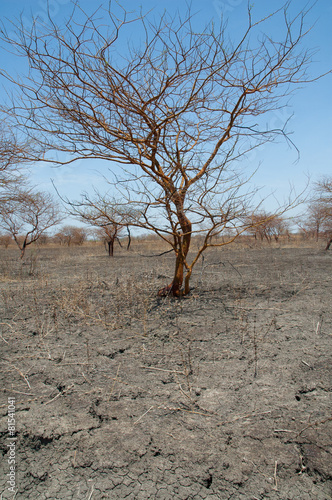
71, 235
106, 213
110, 232
313, 221
5, 239
320, 209
27, 216
266, 225
180, 109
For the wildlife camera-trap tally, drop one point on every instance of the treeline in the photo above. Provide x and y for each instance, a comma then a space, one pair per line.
315, 223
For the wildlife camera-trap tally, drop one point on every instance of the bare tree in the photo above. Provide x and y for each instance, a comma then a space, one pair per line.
71, 235
316, 221
313, 221
320, 209
181, 108
27, 216
263, 225
110, 233
5, 239
104, 212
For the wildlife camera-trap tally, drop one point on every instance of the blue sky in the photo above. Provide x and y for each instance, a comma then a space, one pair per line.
310, 107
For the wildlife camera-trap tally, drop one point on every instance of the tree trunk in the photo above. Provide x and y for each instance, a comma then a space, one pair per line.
129, 238
23, 247
110, 245
175, 288
186, 282
329, 244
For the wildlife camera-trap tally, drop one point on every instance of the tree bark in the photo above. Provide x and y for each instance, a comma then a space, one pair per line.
186, 282
184, 239
24, 245
328, 244
110, 245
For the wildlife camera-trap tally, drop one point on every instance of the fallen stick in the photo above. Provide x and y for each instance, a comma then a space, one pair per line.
58, 395
147, 411
161, 369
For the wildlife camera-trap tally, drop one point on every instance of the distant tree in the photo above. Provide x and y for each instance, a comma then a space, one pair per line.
59, 238
180, 109
27, 215
111, 233
71, 235
43, 240
265, 225
313, 222
106, 213
5, 239
79, 236
320, 209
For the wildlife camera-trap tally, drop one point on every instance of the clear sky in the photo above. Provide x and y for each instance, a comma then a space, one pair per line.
310, 110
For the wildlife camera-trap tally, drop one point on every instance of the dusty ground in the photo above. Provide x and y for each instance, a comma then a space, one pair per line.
224, 395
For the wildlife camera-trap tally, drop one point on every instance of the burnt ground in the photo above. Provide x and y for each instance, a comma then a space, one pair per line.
119, 394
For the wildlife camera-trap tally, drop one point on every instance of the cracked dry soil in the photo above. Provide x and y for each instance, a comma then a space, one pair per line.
119, 394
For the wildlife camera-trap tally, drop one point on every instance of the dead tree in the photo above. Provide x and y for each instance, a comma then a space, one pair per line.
180, 109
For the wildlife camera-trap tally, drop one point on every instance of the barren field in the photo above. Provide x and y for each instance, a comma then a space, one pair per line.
119, 394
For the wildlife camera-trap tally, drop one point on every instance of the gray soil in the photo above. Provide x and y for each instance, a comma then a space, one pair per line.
119, 394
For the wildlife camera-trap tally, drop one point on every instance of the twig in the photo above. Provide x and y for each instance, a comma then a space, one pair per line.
19, 371
143, 415
114, 381
87, 380
186, 395
275, 476
92, 490
2, 336
255, 350
283, 430
238, 272
306, 364
249, 308
53, 399
10, 326
25, 393
88, 352
161, 370
58, 395
177, 408
314, 424
75, 363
